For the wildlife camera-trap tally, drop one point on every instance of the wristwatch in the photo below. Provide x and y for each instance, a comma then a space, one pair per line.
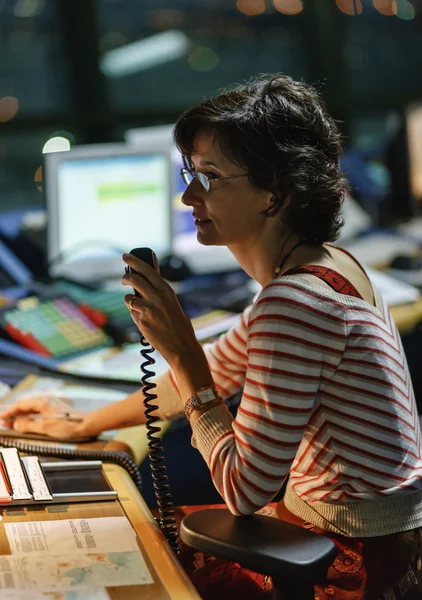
204, 397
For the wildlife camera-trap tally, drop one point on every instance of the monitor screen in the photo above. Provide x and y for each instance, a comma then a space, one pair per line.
104, 200
414, 140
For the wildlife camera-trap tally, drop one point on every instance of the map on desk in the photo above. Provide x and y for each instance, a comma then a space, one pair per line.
72, 555
78, 572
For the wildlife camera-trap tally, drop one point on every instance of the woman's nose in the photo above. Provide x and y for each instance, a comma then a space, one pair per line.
192, 194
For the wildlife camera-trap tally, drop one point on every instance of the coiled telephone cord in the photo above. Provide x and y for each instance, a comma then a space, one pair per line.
167, 520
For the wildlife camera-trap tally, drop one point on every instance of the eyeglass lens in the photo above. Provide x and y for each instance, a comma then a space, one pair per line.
188, 177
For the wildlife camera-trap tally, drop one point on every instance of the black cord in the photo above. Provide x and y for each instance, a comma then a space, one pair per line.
119, 458
167, 520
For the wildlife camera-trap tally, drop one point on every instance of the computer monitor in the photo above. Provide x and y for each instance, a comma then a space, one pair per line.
414, 144
404, 161
103, 200
201, 259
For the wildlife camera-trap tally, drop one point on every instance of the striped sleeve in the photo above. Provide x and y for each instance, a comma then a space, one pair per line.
227, 357
289, 344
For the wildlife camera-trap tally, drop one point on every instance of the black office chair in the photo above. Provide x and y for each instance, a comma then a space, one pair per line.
295, 558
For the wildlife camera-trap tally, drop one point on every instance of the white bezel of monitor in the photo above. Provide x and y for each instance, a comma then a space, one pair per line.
102, 267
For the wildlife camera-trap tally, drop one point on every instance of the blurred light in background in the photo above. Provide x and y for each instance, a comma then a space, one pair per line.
251, 7
64, 134
405, 10
386, 7
56, 144
350, 7
28, 8
38, 178
2, 5
9, 106
288, 7
144, 54
203, 59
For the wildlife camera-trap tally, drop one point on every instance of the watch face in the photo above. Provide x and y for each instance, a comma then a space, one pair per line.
206, 395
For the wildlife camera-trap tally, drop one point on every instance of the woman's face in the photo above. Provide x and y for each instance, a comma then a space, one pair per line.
229, 213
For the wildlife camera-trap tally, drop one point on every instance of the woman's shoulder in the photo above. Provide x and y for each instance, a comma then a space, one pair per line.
300, 292
296, 300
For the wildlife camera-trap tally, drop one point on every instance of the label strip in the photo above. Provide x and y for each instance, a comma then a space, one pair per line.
15, 473
36, 478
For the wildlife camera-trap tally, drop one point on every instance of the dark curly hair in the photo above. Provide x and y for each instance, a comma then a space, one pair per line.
279, 130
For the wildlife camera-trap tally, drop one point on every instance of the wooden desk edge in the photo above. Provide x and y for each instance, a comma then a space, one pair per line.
168, 569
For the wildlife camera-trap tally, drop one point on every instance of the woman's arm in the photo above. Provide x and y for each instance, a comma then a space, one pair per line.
130, 410
224, 362
124, 413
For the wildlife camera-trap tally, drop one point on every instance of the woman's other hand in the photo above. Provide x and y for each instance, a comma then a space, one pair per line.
158, 313
30, 414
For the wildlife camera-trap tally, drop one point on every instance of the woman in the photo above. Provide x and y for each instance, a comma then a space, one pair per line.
327, 397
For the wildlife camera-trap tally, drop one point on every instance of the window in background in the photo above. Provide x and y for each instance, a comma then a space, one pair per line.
34, 89
32, 67
383, 54
173, 54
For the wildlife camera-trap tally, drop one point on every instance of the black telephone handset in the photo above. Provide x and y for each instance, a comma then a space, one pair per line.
148, 256
167, 520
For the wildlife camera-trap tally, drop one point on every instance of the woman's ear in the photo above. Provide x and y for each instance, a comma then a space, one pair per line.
276, 205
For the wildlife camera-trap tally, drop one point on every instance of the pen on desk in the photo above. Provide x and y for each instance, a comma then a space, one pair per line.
65, 416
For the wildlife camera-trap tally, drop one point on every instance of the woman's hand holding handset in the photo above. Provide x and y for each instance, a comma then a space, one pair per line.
155, 308
156, 311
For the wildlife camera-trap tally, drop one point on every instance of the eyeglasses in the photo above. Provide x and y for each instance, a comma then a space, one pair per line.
188, 177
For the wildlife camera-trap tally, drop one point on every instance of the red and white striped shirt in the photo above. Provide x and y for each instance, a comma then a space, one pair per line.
327, 397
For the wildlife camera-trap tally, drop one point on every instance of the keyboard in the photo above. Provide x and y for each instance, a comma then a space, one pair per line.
55, 328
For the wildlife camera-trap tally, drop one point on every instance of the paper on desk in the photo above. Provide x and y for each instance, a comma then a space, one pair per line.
113, 363
71, 536
52, 573
93, 594
79, 397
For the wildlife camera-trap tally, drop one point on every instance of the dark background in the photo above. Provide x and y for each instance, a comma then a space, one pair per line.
366, 64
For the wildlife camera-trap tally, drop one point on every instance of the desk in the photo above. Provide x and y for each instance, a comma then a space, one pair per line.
170, 581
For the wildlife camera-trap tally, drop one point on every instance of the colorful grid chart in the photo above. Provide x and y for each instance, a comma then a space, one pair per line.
58, 326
